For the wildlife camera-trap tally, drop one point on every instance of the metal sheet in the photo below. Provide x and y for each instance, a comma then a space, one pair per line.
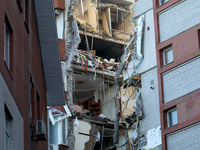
50, 51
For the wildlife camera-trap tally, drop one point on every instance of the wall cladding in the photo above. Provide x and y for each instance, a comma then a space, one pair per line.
178, 18
181, 80
6, 98
141, 6
150, 101
187, 138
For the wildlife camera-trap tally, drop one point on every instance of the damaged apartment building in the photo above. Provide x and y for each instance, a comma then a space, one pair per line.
128, 76
139, 67
92, 36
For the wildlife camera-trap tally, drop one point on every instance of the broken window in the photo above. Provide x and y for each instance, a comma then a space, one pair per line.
167, 55
172, 117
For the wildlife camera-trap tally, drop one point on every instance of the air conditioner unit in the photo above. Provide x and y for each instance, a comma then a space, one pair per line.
41, 130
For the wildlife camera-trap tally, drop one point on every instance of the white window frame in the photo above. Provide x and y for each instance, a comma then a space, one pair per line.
165, 56
7, 46
169, 117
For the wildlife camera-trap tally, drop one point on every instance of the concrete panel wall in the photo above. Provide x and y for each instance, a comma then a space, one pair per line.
149, 47
141, 6
181, 80
150, 101
6, 98
188, 138
178, 18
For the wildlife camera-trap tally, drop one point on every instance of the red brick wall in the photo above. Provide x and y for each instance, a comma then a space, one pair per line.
27, 62
59, 4
62, 49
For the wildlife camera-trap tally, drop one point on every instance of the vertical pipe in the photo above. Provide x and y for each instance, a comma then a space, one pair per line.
93, 136
102, 138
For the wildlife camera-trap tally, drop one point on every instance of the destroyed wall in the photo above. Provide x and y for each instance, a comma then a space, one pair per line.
122, 144
148, 133
81, 134
149, 48
105, 18
108, 102
86, 10
127, 101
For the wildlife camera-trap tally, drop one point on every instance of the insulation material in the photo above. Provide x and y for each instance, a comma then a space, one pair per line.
139, 36
75, 42
133, 133
153, 137
63, 64
106, 21
97, 95
129, 71
137, 55
138, 103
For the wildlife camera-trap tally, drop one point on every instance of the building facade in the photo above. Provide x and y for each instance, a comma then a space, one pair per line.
24, 78
177, 48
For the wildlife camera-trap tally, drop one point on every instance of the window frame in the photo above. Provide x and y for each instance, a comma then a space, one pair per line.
162, 2
169, 117
8, 45
165, 56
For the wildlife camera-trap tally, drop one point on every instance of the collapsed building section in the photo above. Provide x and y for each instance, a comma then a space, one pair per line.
139, 68
92, 37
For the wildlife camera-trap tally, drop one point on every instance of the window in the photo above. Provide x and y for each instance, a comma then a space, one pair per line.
161, 2
172, 117
8, 129
167, 55
8, 45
